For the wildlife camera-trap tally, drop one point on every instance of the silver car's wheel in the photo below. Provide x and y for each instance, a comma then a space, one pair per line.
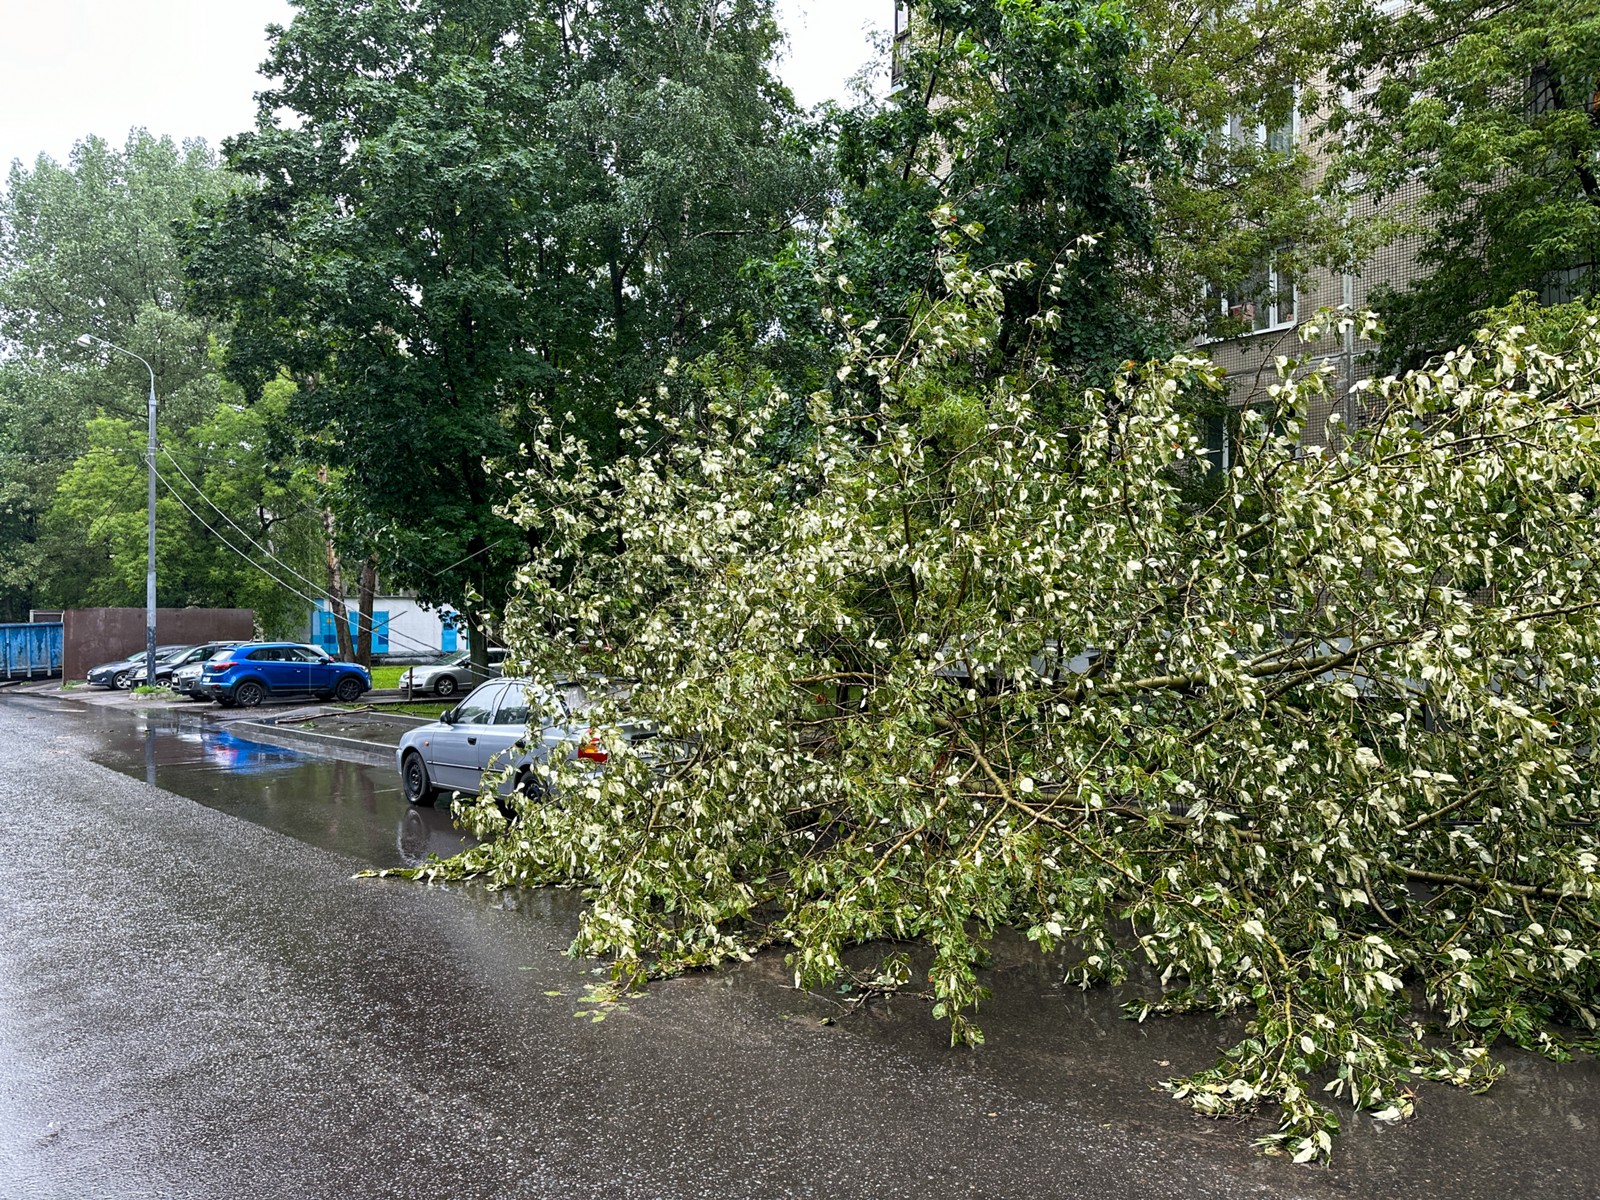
531, 785
414, 779
120, 680
446, 686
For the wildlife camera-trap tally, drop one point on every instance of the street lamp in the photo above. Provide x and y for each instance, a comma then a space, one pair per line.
90, 339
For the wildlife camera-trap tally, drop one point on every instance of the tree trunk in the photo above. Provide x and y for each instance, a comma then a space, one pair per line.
369, 588
341, 617
478, 643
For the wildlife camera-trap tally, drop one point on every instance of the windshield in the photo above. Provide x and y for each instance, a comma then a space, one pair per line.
451, 660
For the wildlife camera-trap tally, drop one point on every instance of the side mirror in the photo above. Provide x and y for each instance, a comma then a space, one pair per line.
448, 716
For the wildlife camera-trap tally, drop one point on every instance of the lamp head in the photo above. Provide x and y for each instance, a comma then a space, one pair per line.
86, 339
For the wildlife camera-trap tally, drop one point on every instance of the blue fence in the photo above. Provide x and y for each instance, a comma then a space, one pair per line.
29, 651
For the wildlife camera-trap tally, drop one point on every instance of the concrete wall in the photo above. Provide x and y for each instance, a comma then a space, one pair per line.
91, 636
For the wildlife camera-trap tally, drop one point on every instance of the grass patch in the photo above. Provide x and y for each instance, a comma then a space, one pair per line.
387, 676
420, 708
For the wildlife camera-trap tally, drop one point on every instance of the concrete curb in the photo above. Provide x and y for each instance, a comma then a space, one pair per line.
329, 745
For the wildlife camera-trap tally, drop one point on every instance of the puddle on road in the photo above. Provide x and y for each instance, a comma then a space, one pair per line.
352, 808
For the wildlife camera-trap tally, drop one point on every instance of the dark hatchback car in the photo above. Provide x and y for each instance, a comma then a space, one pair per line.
256, 671
115, 674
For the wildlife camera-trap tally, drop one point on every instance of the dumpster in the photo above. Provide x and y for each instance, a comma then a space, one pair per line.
30, 651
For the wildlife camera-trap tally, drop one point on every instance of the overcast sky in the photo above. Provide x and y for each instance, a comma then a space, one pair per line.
69, 68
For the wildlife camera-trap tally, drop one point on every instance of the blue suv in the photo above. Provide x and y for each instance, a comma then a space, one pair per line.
248, 674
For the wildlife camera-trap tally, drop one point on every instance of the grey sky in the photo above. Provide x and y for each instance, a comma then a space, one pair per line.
69, 68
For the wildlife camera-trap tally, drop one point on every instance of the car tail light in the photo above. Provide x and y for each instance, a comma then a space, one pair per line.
225, 665
590, 749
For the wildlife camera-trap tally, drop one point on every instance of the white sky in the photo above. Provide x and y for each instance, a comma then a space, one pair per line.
187, 68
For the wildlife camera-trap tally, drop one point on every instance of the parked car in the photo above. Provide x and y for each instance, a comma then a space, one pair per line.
489, 731
167, 668
115, 674
255, 671
186, 679
451, 674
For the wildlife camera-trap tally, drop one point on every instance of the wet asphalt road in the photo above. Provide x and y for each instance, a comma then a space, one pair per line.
197, 1000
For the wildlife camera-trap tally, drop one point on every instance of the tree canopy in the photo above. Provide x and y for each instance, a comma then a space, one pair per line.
91, 247
465, 215
1485, 117
1034, 122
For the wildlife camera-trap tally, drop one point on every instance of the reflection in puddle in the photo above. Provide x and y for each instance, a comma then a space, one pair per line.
427, 833
351, 808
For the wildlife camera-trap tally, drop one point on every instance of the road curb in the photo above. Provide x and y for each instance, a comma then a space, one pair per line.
330, 745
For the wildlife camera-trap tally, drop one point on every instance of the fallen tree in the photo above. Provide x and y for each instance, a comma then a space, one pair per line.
1313, 749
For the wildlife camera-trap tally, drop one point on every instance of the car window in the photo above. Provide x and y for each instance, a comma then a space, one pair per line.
514, 704
266, 654
477, 708
299, 654
223, 652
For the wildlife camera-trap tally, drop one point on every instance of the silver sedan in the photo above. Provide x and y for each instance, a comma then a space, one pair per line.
451, 674
505, 723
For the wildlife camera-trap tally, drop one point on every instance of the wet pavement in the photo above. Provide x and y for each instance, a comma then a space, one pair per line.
197, 1000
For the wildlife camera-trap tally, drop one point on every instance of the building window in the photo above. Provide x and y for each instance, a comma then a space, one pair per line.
902, 43
1264, 300
1278, 136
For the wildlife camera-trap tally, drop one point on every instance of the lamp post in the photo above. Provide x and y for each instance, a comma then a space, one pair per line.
89, 339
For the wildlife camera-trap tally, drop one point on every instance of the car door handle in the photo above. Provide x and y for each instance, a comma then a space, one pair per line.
472, 741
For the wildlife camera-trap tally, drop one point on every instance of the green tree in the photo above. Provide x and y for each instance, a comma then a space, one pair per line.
1031, 120
235, 526
481, 216
1318, 756
90, 247
1485, 118
1251, 80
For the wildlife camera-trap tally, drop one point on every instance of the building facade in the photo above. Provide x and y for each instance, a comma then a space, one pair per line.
402, 629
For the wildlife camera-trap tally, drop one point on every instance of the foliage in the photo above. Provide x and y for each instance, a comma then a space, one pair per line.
464, 214
1029, 119
1250, 80
234, 526
1324, 766
1485, 118
88, 247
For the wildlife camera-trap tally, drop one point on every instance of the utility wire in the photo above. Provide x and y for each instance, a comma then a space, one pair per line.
309, 508
268, 553
326, 595
315, 602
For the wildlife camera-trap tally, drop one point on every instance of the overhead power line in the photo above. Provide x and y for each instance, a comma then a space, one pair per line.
315, 601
